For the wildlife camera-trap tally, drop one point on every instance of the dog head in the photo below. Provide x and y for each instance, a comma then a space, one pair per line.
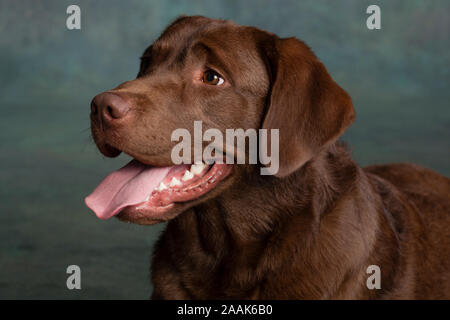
226, 76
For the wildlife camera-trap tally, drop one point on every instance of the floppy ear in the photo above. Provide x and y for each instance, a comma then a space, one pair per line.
305, 104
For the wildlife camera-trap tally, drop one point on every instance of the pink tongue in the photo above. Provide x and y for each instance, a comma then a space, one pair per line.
127, 186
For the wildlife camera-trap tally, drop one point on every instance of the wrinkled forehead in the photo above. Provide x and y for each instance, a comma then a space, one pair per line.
219, 43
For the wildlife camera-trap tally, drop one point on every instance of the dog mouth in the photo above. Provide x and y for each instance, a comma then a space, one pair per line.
152, 191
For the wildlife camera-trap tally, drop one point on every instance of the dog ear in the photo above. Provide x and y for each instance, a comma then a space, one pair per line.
310, 110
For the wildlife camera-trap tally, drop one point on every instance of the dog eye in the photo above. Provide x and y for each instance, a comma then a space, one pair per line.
212, 78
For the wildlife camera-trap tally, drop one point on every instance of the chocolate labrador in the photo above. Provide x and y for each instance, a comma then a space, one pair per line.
320, 228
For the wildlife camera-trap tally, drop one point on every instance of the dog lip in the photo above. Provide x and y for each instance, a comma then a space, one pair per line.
161, 203
104, 146
109, 151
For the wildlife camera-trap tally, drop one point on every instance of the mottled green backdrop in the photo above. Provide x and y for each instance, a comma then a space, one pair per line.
398, 78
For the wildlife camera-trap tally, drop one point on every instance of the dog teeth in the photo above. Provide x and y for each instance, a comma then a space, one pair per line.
198, 168
187, 176
175, 182
148, 198
161, 187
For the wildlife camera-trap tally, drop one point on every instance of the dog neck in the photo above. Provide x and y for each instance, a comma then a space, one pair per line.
308, 214
249, 214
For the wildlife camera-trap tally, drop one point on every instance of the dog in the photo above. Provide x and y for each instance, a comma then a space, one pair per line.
314, 229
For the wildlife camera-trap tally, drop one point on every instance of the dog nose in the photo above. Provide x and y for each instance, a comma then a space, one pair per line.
109, 106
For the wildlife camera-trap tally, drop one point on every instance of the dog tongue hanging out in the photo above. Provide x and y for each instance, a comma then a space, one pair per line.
139, 187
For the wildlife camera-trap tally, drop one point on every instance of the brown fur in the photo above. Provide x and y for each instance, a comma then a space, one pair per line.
311, 231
